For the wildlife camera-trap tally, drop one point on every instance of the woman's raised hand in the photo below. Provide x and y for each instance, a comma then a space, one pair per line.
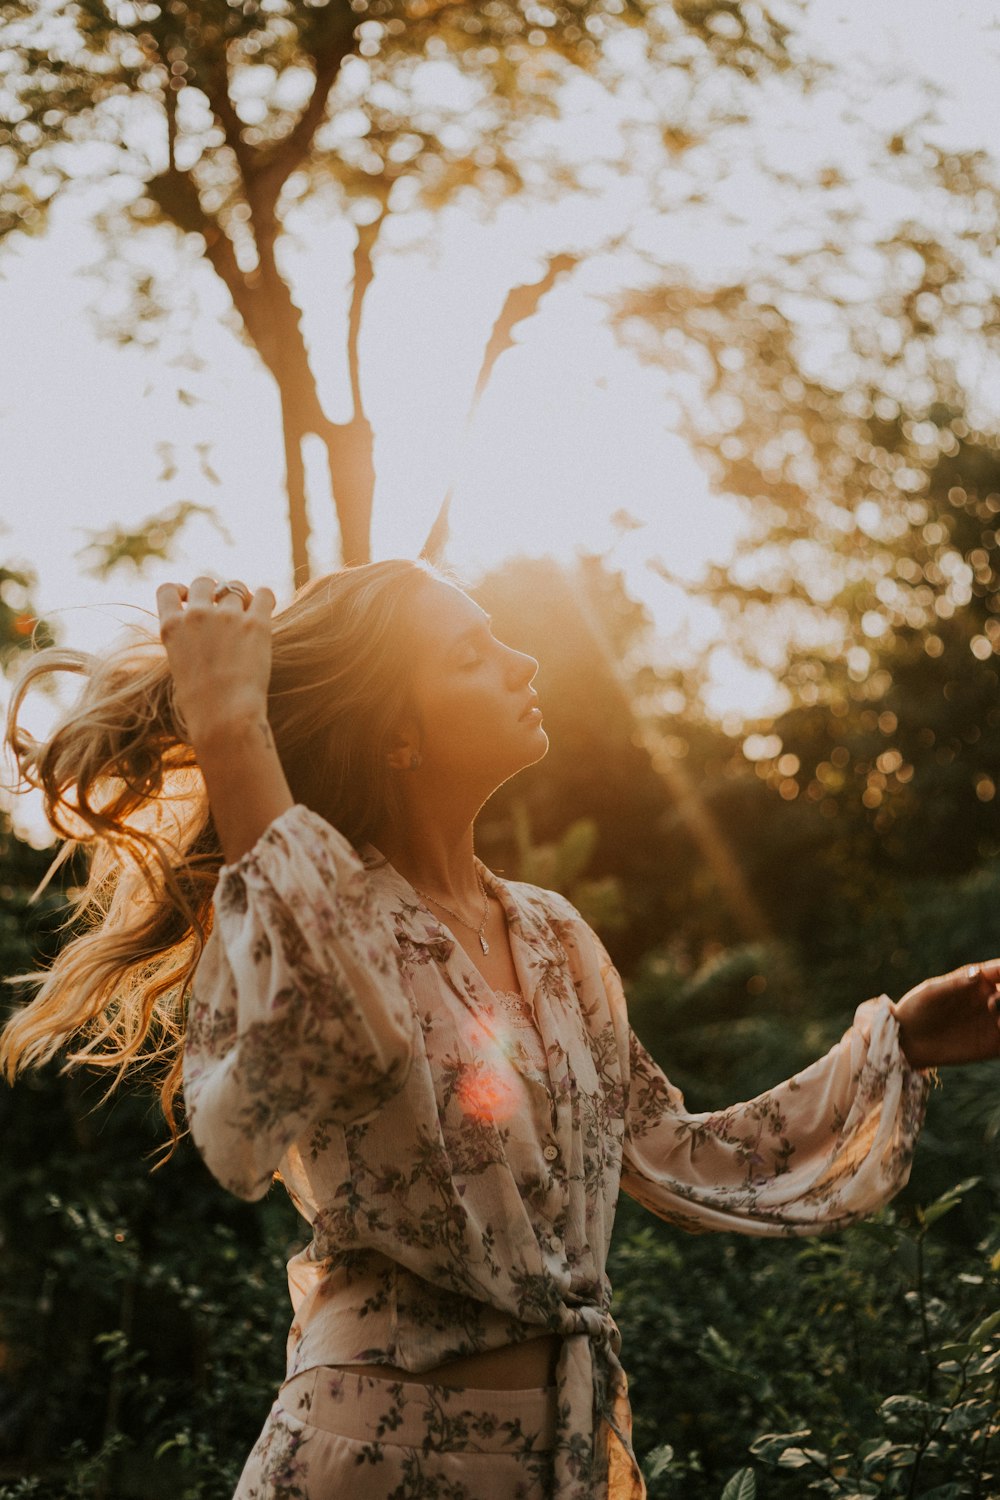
954, 1018
219, 650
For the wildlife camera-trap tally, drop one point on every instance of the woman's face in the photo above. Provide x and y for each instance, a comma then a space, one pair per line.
471, 691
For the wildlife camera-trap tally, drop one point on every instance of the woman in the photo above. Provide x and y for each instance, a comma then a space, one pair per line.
438, 1061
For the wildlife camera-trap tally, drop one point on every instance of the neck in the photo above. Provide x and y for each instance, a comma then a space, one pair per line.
432, 847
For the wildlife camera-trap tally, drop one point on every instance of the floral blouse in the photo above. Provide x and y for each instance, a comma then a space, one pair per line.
461, 1187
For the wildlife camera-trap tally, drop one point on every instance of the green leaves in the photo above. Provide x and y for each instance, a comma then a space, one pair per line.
782, 1448
944, 1441
659, 1461
153, 539
947, 1201
742, 1486
561, 866
730, 1344
20, 628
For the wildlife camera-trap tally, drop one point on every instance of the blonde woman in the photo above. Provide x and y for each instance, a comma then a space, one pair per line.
287, 906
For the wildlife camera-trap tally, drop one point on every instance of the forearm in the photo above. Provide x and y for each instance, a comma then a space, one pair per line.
246, 783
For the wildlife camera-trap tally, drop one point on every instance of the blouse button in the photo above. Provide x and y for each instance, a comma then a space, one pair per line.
550, 1152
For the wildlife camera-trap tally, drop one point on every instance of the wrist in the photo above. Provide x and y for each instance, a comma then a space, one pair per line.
901, 1027
231, 728
909, 1044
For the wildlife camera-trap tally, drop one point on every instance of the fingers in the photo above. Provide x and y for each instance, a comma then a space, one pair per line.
983, 980
232, 596
201, 592
262, 604
168, 603
986, 977
202, 596
950, 984
978, 982
982, 976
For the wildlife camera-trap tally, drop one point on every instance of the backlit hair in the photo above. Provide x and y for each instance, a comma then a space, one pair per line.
118, 777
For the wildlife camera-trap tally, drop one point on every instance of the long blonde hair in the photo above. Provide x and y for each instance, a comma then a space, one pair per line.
118, 778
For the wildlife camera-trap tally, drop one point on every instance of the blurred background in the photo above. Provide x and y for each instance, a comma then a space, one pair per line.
673, 329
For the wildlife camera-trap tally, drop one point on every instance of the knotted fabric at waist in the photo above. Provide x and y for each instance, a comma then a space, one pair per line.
588, 1362
370, 1310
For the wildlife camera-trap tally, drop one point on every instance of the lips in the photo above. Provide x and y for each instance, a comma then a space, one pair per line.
533, 707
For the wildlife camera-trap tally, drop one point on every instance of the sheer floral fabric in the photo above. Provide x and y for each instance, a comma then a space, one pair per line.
460, 1181
331, 1433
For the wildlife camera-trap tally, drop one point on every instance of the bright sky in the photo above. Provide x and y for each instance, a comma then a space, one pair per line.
572, 428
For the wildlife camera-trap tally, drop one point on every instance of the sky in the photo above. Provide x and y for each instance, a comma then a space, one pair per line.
573, 427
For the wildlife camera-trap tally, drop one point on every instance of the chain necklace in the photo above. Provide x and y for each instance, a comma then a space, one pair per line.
480, 931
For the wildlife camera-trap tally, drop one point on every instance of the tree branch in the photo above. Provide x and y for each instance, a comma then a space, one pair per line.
285, 156
176, 195
363, 276
217, 88
170, 108
521, 303
222, 257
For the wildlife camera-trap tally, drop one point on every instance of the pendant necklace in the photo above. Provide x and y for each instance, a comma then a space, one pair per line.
480, 931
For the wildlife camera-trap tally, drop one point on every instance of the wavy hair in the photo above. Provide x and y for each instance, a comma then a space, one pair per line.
119, 778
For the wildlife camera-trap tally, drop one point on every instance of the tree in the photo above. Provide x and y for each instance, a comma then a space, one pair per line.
843, 397
221, 118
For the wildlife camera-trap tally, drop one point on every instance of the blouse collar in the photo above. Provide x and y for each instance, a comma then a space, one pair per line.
413, 917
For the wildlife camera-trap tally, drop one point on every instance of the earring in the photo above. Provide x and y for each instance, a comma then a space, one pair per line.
414, 761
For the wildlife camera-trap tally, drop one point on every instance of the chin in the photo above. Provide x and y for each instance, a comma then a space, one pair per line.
529, 755
541, 751
545, 741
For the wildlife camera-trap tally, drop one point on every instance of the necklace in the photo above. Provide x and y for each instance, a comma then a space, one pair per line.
480, 931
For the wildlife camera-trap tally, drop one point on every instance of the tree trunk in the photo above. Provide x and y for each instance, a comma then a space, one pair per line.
349, 445
295, 489
350, 450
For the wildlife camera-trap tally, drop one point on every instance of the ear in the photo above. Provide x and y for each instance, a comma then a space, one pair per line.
402, 750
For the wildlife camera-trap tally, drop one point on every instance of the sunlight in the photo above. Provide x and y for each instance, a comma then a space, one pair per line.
573, 430
488, 1088
667, 760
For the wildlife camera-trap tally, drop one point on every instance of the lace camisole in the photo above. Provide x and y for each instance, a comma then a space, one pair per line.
519, 1017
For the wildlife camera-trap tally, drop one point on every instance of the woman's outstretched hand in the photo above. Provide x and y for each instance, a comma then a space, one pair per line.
954, 1018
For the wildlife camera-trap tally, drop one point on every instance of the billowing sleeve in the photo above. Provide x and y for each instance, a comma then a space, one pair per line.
297, 1010
821, 1150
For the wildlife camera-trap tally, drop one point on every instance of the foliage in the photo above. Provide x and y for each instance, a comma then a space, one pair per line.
117, 546
839, 386
833, 1342
20, 628
156, 1346
727, 1340
947, 1435
562, 865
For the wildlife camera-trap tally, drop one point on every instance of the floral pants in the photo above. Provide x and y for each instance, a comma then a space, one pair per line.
331, 1435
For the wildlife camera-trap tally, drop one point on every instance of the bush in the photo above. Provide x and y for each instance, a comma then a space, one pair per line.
857, 1365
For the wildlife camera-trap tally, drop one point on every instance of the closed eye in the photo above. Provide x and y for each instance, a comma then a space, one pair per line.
483, 632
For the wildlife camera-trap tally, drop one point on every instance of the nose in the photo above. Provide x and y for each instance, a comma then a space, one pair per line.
521, 666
